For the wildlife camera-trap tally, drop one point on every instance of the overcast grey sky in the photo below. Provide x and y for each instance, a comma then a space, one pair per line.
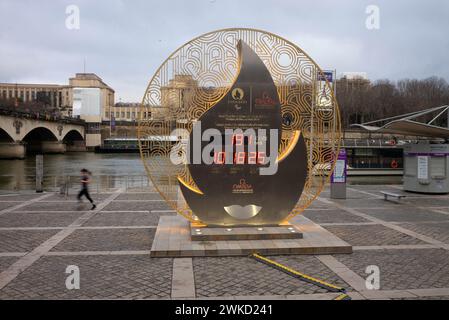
124, 41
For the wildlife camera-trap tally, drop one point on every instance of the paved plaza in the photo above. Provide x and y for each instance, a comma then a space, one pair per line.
42, 234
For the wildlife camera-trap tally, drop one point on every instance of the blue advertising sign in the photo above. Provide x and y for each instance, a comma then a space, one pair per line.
326, 75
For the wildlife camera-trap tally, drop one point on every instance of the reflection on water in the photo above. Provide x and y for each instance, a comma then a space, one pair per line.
109, 171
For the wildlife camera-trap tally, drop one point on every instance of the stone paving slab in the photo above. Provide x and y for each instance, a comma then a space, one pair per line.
368, 235
183, 280
23, 240
107, 240
403, 269
332, 216
438, 231
38, 219
405, 214
101, 277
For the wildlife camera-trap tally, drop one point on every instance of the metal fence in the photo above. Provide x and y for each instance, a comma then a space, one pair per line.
69, 184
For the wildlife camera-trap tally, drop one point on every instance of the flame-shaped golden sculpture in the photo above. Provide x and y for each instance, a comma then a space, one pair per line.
236, 192
239, 79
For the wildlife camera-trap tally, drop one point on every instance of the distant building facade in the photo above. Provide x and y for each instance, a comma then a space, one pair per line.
57, 96
175, 97
127, 112
86, 96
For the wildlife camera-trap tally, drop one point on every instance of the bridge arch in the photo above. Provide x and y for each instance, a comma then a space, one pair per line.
41, 134
73, 135
74, 141
5, 136
36, 134
70, 129
42, 140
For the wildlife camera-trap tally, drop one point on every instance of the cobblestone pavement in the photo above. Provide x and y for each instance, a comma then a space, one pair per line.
403, 214
332, 216
311, 266
38, 219
137, 206
403, 269
107, 240
5, 262
41, 237
117, 218
435, 230
102, 277
23, 240
56, 206
371, 235
4, 205
18, 197
242, 276
368, 203
423, 298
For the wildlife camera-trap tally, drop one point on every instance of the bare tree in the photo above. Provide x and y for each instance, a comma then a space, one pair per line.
369, 101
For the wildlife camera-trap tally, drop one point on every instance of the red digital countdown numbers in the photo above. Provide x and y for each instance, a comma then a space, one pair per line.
241, 157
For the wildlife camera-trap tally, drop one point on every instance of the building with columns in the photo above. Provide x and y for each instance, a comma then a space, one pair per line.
57, 96
86, 92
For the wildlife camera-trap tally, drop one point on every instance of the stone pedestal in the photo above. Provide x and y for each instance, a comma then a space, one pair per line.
176, 237
338, 190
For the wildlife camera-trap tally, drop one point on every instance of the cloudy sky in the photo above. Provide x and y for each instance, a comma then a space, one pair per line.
124, 41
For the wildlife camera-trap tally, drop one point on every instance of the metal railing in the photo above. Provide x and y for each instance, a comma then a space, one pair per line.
42, 115
68, 184
375, 143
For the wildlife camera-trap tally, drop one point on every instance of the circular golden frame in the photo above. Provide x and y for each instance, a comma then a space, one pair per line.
199, 73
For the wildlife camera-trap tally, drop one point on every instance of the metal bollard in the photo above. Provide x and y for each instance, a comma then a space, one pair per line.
39, 172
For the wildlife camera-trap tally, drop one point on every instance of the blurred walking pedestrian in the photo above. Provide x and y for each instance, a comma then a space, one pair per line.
85, 179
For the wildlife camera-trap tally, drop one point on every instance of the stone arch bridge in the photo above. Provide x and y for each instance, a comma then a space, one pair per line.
20, 134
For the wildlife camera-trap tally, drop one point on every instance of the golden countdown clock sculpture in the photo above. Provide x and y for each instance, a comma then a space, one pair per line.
239, 127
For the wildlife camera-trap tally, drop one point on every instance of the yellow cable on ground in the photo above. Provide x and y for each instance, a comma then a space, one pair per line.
343, 296
302, 276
